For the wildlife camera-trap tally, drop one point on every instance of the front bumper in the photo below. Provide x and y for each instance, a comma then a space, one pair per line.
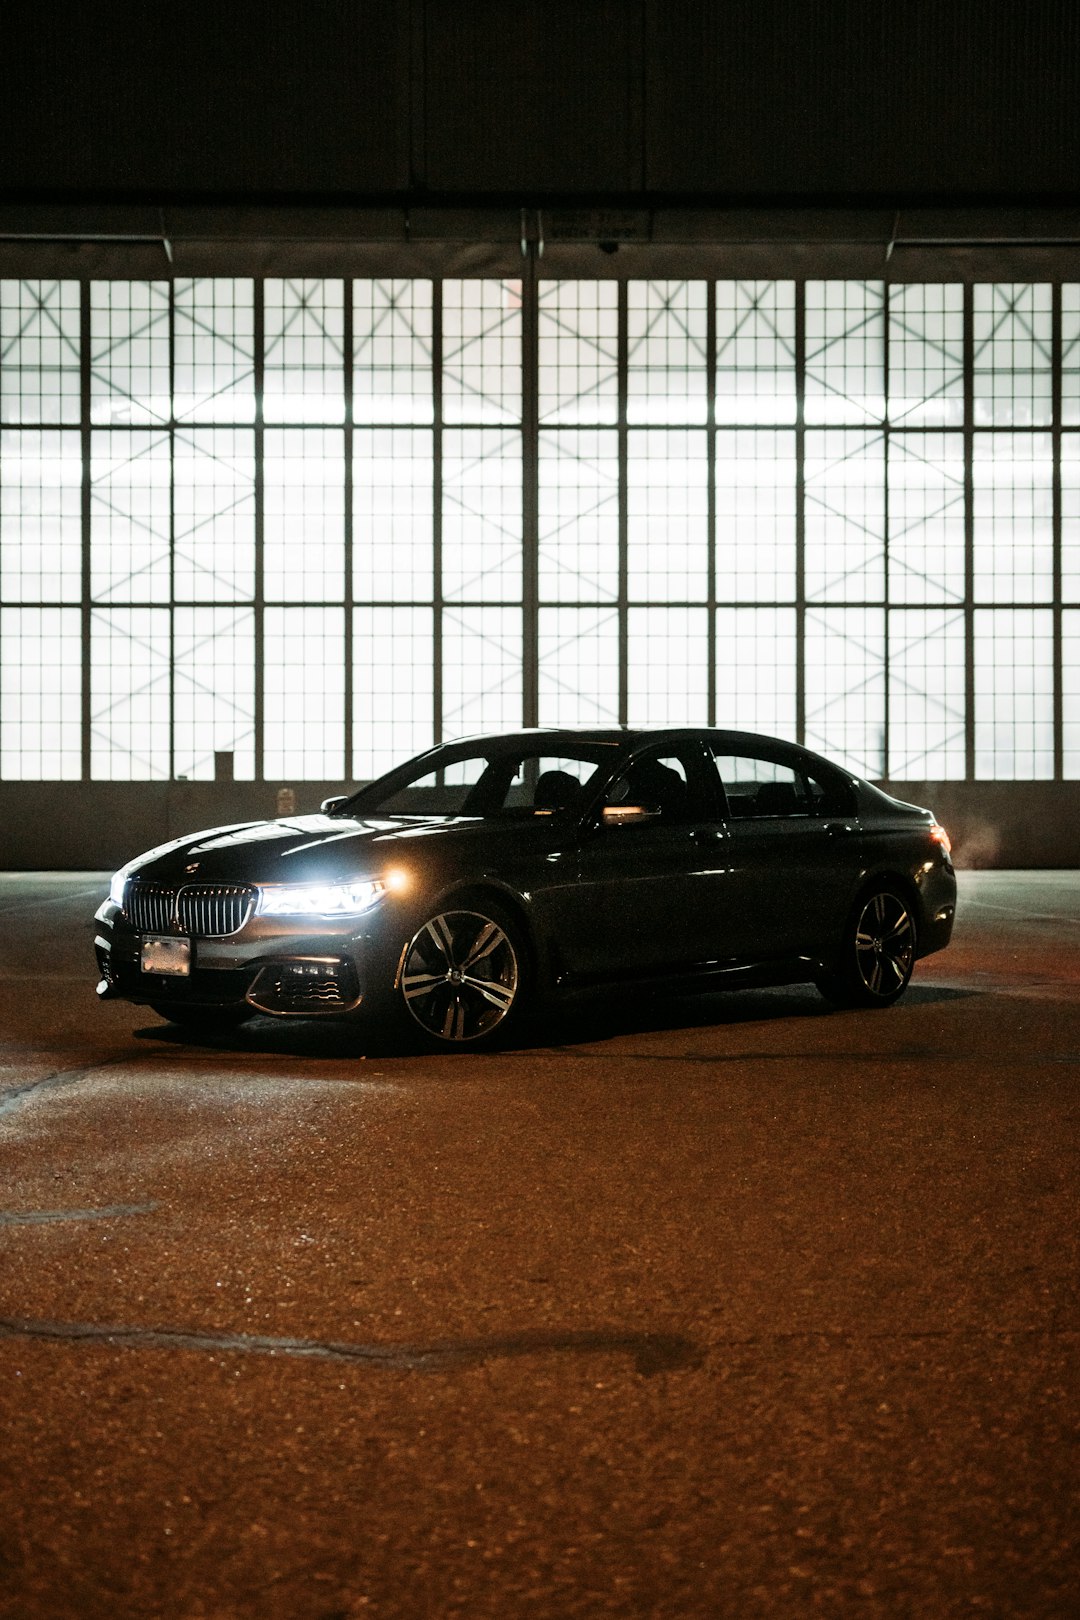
271, 965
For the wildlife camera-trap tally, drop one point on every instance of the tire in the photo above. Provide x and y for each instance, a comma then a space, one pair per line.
208, 1018
466, 976
877, 954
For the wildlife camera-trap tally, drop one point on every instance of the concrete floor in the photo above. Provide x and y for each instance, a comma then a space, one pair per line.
722, 1307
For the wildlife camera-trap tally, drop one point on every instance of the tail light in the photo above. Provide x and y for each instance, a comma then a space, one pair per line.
938, 835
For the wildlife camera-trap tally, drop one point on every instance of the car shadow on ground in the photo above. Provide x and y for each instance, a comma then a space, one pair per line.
602, 1018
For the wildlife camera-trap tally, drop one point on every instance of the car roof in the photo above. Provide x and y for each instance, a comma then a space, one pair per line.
624, 735
618, 734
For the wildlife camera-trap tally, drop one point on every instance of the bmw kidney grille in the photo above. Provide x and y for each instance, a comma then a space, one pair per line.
203, 910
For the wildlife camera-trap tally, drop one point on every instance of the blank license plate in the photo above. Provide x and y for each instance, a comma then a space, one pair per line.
165, 955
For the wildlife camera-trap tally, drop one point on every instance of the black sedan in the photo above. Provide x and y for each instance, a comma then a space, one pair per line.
485, 877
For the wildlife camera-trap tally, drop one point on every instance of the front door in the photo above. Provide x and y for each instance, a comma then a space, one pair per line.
653, 885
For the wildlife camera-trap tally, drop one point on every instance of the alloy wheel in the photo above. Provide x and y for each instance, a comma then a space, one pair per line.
884, 945
460, 976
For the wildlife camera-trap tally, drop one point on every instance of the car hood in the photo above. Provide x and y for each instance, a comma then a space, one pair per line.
316, 848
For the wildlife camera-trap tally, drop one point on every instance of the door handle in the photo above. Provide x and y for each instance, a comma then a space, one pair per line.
838, 829
707, 835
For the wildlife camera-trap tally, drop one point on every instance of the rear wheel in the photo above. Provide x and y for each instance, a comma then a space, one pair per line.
209, 1018
465, 975
877, 954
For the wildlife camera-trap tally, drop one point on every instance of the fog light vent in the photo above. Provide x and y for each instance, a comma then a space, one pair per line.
321, 984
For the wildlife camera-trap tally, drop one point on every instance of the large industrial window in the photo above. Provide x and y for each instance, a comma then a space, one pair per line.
306, 527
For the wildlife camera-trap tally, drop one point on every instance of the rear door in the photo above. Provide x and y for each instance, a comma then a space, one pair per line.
794, 848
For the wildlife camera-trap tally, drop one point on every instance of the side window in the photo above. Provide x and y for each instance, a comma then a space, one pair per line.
549, 783
760, 789
830, 795
667, 783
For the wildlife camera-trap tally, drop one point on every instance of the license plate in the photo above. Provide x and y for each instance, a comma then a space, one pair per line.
171, 956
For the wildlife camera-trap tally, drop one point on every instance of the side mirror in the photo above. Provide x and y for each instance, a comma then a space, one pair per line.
628, 815
328, 806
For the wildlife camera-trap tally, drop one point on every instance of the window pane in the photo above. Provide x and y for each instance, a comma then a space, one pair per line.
926, 694
1070, 517
393, 492
579, 515
755, 670
304, 477
1014, 694
39, 351
845, 351
1070, 353
755, 351
1012, 333
926, 355
667, 519
1070, 692
304, 694
759, 789
129, 694
40, 694
845, 687
668, 667
130, 476
579, 667
214, 701
392, 351
129, 352
667, 337
1014, 507
482, 351
926, 517
393, 705
40, 516
481, 670
579, 351
214, 514
845, 516
755, 516
303, 347
214, 350
481, 515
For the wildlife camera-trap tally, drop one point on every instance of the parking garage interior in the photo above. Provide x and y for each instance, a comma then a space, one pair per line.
376, 375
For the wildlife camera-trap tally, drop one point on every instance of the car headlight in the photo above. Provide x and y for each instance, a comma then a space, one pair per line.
320, 899
116, 887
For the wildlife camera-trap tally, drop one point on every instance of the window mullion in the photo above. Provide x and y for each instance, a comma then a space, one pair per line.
623, 440
437, 509
347, 583
530, 520
258, 328
969, 532
1055, 434
800, 511
87, 442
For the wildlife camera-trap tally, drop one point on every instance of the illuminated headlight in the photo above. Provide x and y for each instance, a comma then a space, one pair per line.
319, 899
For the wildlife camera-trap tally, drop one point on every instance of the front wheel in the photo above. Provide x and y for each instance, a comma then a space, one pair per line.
877, 954
464, 975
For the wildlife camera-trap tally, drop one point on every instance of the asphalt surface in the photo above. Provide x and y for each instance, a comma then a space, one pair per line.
733, 1306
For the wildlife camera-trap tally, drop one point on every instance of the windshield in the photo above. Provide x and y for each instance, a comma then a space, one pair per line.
492, 783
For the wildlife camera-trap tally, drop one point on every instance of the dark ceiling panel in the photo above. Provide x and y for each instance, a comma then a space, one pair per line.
430, 101
533, 97
199, 98
862, 97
